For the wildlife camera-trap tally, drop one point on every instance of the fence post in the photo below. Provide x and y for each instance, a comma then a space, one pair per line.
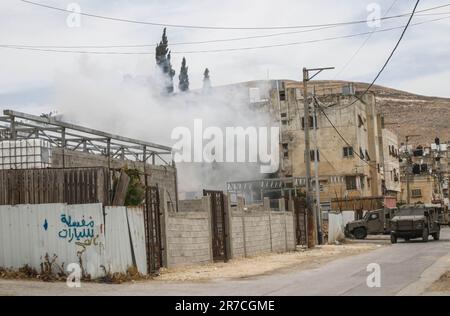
267, 209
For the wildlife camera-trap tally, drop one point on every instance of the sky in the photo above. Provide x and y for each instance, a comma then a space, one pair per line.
29, 79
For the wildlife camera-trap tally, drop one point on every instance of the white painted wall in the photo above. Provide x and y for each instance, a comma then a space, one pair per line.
71, 232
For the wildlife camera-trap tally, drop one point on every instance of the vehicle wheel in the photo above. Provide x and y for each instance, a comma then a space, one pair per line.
437, 235
393, 239
360, 233
425, 234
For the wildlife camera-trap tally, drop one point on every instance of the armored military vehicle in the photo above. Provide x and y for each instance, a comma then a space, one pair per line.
374, 222
416, 221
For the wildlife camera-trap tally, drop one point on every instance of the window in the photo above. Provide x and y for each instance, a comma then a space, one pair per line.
350, 182
416, 193
282, 95
373, 216
361, 153
396, 178
321, 186
311, 155
360, 121
367, 155
283, 114
424, 168
368, 182
311, 123
348, 152
286, 150
361, 179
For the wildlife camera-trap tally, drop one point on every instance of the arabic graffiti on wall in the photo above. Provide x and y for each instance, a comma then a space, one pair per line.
76, 229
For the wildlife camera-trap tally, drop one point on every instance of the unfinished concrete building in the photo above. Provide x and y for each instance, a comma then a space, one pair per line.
363, 166
427, 169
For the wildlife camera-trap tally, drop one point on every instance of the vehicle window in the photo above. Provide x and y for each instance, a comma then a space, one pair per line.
411, 212
373, 216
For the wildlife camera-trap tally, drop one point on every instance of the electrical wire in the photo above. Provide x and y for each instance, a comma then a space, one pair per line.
341, 136
349, 61
216, 27
233, 39
36, 48
180, 43
373, 82
389, 58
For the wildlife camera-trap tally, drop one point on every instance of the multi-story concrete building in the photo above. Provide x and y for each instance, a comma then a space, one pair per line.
426, 168
360, 162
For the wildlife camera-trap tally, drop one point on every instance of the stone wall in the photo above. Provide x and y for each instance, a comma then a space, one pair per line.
256, 229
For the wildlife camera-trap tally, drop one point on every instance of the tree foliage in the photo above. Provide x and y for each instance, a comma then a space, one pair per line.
206, 81
163, 60
183, 77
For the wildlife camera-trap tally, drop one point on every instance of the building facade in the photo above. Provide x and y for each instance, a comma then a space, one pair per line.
425, 170
360, 162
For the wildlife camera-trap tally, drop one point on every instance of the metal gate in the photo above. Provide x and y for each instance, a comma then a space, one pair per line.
152, 221
300, 221
218, 222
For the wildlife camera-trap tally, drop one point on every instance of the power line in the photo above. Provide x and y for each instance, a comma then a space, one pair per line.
190, 43
216, 27
341, 136
37, 48
373, 82
179, 43
349, 61
390, 56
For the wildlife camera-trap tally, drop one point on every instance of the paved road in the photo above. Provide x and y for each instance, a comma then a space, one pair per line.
406, 268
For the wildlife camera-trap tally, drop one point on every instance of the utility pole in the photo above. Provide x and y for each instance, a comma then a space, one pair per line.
310, 209
408, 169
436, 156
316, 179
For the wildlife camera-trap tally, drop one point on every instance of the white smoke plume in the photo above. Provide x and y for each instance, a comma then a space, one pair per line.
134, 106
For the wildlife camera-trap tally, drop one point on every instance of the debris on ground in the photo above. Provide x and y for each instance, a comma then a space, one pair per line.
441, 285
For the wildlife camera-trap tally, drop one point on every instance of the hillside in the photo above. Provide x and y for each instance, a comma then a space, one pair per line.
409, 114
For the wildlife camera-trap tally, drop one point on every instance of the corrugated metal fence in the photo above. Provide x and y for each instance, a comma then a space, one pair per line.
74, 234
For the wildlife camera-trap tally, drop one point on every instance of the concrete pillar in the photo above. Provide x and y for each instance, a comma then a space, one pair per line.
206, 207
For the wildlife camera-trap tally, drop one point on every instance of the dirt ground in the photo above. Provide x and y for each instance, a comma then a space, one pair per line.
265, 264
441, 285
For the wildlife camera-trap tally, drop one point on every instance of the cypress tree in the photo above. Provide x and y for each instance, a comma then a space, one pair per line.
206, 81
163, 57
183, 77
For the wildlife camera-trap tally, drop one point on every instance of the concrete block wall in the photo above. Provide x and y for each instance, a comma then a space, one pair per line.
188, 237
255, 229
191, 205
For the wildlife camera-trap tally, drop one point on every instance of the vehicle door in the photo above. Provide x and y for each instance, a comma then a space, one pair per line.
375, 223
388, 215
